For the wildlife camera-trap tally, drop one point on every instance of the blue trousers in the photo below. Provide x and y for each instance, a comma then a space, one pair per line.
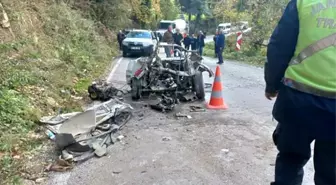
302, 119
200, 50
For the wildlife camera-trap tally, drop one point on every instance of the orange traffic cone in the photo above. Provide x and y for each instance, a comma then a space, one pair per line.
217, 100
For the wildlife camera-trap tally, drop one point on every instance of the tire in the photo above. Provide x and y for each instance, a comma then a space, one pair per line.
136, 89
93, 94
199, 85
124, 54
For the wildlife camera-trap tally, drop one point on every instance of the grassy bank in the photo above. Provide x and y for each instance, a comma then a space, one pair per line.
48, 57
247, 54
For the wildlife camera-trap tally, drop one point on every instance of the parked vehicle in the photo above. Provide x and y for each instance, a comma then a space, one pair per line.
139, 42
178, 23
175, 75
225, 26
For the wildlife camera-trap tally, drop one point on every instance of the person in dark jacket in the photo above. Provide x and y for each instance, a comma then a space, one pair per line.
220, 44
200, 42
178, 37
215, 44
300, 74
187, 42
169, 39
193, 42
120, 38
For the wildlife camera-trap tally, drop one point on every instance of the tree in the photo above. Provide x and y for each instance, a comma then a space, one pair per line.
229, 12
265, 16
146, 12
242, 5
169, 9
195, 7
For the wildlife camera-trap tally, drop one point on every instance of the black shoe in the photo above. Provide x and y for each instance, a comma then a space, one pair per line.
220, 63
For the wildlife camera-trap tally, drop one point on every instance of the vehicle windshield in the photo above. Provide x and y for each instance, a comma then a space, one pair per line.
139, 34
165, 25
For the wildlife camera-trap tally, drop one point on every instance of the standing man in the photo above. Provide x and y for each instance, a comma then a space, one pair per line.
168, 38
220, 44
193, 42
187, 42
178, 37
214, 39
120, 38
302, 55
200, 41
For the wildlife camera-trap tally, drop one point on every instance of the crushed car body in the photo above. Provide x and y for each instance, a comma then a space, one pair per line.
170, 76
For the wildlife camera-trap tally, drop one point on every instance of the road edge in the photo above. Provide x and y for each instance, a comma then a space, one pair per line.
115, 64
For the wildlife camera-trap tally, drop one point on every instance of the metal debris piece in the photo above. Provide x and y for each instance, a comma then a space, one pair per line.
207, 85
103, 91
84, 156
66, 156
83, 135
164, 104
100, 150
187, 97
166, 138
119, 138
179, 115
59, 119
196, 109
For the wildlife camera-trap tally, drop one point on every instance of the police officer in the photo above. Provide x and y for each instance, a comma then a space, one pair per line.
301, 72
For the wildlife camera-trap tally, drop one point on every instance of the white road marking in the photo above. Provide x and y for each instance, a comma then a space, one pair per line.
115, 67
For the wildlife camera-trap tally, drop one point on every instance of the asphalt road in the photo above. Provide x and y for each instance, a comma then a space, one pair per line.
231, 147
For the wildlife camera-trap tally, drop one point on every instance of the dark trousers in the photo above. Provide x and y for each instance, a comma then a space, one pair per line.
187, 47
175, 52
220, 56
200, 50
120, 45
216, 51
302, 121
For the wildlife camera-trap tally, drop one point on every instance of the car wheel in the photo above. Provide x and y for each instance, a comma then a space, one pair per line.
136, 89
93, 94
199, 85
124, 54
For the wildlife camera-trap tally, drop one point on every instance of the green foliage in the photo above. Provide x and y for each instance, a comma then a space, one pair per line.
57, 48
114, 14
194, 7
169, 9
147, 14
14, 111
265, 16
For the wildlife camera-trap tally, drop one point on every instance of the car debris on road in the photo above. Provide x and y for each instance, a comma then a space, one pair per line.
81, 135
103, 91
179, 115
196, 109
172, 79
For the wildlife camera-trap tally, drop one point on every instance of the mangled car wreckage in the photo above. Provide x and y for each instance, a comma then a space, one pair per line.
172, 76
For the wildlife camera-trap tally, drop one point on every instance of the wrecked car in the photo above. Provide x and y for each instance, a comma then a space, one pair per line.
181, 74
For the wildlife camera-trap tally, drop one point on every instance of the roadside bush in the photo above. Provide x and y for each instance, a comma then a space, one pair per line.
48, 58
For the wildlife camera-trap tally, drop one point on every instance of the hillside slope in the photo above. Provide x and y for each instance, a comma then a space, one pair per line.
49, 53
